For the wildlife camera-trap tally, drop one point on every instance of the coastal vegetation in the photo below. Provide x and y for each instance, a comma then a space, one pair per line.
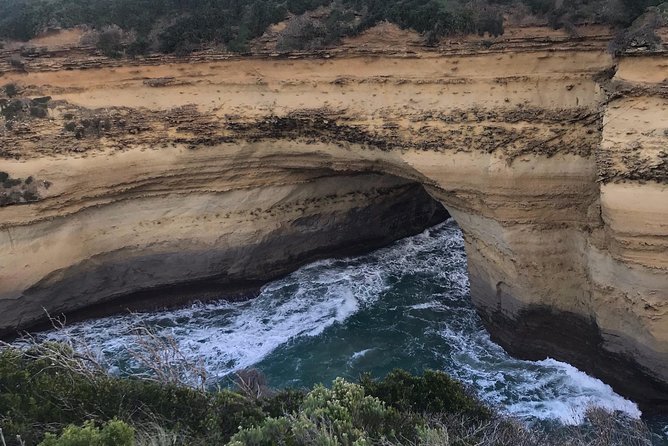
138, 26
51, 395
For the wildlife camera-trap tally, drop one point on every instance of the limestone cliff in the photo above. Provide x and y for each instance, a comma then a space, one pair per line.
550, 155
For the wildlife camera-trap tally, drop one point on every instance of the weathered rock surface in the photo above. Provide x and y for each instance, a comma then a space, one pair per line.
158, 248
238, 170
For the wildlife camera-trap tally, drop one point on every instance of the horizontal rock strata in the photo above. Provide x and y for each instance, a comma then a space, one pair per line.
550, 158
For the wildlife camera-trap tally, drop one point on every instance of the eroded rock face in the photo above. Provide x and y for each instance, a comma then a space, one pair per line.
236, 171
159, 249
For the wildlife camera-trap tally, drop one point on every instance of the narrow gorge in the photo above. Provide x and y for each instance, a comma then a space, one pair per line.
152, 181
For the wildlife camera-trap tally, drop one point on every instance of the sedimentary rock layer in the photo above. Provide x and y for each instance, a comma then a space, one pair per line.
237, 170
188, 238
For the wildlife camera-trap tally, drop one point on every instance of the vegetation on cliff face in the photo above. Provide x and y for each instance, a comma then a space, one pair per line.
20, 190
52, 396
14, 109
182, 25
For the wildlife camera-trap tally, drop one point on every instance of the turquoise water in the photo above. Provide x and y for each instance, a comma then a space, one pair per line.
404, 306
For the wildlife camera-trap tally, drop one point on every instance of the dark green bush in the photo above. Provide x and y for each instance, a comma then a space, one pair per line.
16, 62
139, 47
230, 411
17, 108
30, 196
641, 34
305, 32
285, 401
110, 41
36, 395
434, 392
43, 101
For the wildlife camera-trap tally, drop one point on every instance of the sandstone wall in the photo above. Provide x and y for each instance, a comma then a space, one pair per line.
217, 169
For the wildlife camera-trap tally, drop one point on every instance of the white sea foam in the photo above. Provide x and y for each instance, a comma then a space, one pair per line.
586, 392
545, 389
360, 354
426, 305
230, 336
304, 305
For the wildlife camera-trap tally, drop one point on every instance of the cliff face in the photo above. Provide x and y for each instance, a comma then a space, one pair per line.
154, 174
190, 240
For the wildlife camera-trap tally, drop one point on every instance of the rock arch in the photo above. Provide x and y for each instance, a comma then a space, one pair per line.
566, 241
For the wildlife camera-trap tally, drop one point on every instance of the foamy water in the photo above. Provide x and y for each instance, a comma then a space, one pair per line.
403, 306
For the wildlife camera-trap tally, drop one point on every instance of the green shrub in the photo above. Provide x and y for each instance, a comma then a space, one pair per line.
230, 411
140, 46
30, 196
42, 395
113, 433
38, 394
41, 101
641, 34
282, 402
16, 62
434, 392
342, 415
110, 41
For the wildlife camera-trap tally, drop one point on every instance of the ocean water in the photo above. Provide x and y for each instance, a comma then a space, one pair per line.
405, 306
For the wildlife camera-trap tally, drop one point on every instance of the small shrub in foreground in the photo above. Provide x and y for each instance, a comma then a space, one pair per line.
113, 433
342, 415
